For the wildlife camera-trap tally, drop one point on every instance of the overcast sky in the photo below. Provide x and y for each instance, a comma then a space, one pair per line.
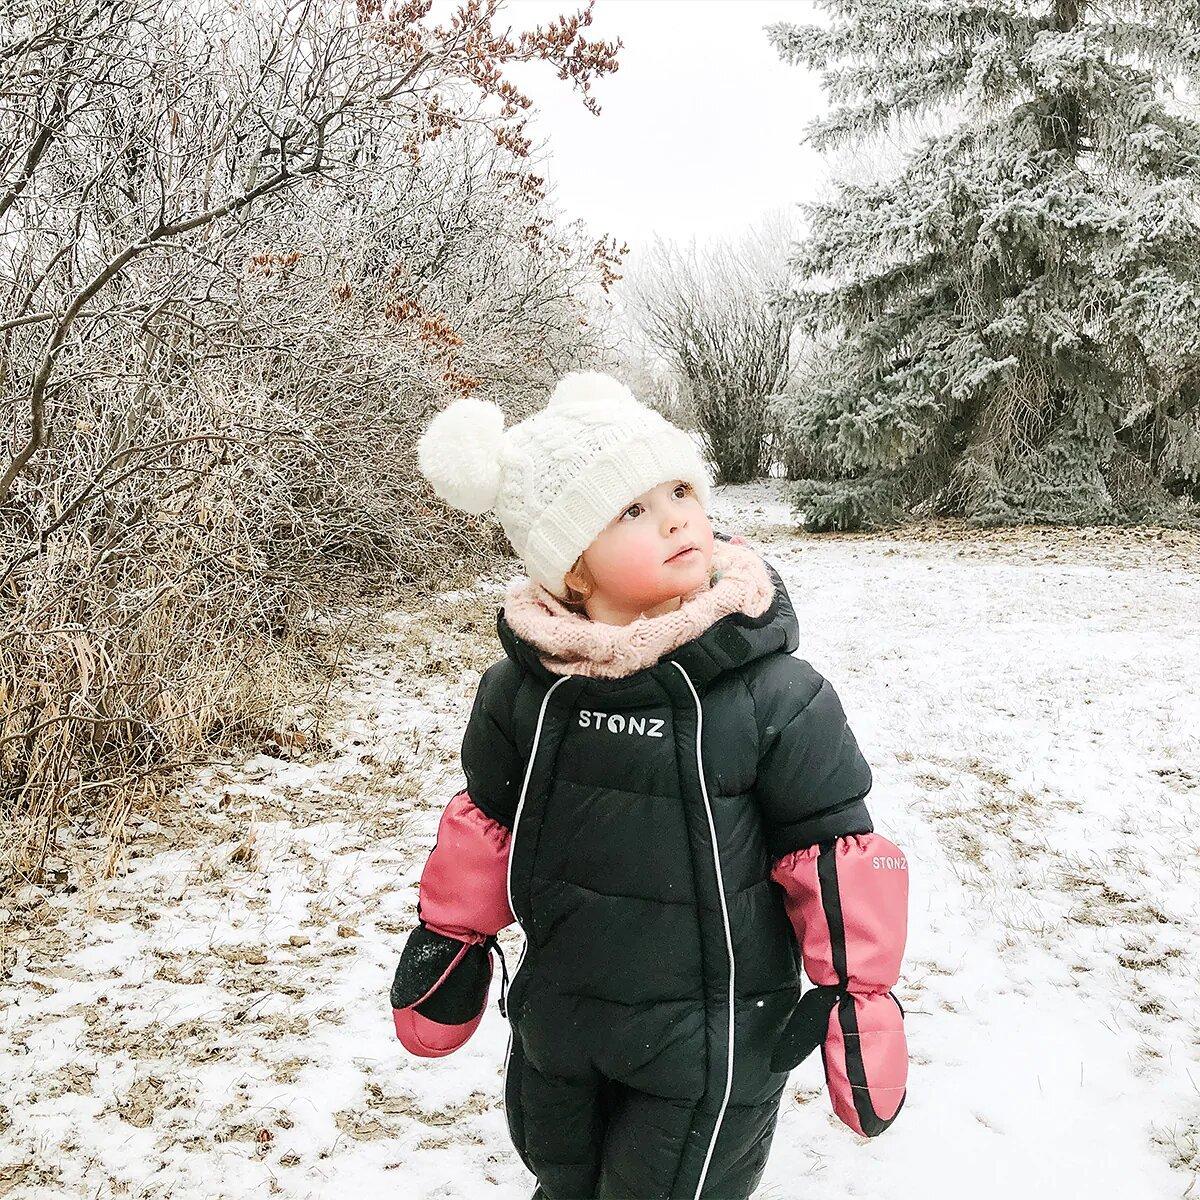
700, 127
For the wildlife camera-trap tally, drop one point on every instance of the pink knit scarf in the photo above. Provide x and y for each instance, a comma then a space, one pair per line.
570, 643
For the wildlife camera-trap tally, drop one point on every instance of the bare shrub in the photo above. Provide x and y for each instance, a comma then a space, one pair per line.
246, 252
711, 315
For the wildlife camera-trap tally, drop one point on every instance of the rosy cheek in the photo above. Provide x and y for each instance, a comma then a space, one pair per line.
632, 574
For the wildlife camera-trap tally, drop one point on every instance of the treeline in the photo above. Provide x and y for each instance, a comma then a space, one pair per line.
993, 311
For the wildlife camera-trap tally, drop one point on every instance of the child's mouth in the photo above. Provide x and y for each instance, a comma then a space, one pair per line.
682, 556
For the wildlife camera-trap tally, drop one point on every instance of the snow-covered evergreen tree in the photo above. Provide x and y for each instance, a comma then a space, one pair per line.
1013, 320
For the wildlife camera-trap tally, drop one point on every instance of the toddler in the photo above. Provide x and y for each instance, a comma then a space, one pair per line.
671, 806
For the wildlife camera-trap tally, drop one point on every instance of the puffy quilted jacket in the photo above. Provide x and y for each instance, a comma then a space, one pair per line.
675, 845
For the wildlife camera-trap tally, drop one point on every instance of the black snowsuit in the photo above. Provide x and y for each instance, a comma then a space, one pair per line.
659, 965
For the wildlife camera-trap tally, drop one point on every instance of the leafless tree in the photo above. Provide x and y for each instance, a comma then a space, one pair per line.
245, 251
710, 314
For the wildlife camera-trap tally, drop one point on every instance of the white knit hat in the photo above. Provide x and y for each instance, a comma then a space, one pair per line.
556, 479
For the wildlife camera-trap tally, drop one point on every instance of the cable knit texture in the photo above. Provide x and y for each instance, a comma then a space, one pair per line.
557, 478
570, 643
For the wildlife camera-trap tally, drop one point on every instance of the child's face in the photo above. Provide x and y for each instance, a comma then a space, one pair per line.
633, 560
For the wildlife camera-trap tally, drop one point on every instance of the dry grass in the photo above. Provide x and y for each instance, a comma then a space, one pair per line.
1119, 547
99, 719
102, 712
1181, 1144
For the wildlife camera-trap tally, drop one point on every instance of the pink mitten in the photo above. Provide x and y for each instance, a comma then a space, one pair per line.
439, 993
847, 900
440, 989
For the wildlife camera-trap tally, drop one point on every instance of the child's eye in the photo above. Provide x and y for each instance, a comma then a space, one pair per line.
684, 487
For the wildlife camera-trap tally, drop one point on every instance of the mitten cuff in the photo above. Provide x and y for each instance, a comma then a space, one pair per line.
847, 901
464, 885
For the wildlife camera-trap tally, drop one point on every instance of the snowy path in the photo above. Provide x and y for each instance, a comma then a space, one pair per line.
214, 1023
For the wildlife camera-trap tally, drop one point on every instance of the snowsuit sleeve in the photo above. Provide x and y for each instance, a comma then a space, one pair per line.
464, 885
846, 896
812, 777
491, 761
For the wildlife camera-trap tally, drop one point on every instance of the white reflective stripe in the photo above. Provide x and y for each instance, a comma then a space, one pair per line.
512, 846
712, 829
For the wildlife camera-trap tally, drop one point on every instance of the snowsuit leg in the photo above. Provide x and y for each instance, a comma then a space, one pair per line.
652, 1142
740, 1156
557, 1123
587, 1136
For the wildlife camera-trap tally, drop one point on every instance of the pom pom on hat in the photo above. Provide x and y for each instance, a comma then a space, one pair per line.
589, 387
459, 453
556, 478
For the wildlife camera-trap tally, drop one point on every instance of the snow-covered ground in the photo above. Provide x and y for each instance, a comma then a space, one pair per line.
214, 1022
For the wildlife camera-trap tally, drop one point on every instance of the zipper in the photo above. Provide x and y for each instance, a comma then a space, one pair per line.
512, 846
712, 829
512, 843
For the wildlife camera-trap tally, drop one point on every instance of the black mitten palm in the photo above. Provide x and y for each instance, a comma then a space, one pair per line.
440, 991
